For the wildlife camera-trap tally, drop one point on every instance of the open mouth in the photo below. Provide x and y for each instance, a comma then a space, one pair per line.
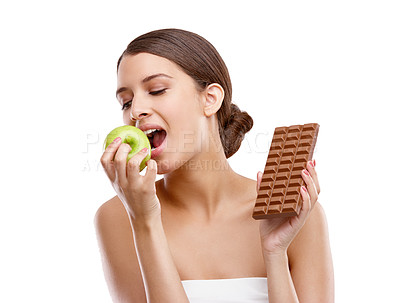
156, 137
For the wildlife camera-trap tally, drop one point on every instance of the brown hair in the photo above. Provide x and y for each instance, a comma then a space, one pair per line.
200, 60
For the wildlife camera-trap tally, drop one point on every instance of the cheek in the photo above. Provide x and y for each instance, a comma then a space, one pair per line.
185, 110
195, 123
190, 137
187, 122
126, 117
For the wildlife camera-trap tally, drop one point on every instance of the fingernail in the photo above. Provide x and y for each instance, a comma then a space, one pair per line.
312, 163
117, 139
144, 150
304, 188
306, 172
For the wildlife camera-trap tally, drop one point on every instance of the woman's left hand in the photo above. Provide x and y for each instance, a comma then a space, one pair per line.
277, 233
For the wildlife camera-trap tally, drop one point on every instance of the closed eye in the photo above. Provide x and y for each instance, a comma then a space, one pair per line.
153, 93
126, 105
158, 92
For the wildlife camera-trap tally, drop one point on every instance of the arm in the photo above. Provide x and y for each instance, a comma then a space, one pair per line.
280, 284
161, 278
310, 258
304, 239
310, 277
136, 260
141, 228
117, 249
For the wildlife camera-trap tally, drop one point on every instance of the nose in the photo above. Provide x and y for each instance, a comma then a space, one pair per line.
138, 111
136, 115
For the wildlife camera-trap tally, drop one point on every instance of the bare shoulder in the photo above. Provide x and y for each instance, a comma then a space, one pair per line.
314, 231
311, 260
247, 186
117, 248
249, 182
109, 210
111, 220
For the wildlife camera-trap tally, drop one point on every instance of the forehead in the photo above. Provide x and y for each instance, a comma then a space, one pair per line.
136, 67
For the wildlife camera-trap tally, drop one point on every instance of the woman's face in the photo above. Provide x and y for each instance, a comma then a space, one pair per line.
155, 93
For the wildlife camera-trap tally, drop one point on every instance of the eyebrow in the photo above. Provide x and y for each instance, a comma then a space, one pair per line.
147, 79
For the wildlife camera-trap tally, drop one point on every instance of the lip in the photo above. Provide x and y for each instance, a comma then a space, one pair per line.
157, 151
145, 127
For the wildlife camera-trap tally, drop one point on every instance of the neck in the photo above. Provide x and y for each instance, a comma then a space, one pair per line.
202, 186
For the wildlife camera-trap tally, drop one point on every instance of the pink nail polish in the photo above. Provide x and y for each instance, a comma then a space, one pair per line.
314, 163
116, 140
304, 188
306, 172
144, 150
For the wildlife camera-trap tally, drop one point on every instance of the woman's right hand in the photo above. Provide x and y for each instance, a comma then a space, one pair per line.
137, 192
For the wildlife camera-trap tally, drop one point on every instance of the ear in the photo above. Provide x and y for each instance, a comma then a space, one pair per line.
214, 95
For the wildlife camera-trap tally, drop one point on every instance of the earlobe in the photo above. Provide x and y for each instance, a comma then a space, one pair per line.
214, 95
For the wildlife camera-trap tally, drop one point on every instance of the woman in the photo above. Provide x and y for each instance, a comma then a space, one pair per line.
191, 236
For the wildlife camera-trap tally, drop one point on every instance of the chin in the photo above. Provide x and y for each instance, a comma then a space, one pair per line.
165, 166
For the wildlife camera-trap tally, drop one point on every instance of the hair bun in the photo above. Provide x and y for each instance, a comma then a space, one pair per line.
236, 126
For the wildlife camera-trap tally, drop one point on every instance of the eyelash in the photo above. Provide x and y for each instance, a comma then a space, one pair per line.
158, 92
126, 105
155, 93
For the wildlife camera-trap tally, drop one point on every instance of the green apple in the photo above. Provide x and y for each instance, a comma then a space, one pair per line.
132, 136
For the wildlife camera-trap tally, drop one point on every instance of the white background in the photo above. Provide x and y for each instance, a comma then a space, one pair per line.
291, 62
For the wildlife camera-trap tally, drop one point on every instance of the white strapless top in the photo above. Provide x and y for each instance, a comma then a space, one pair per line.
243, 290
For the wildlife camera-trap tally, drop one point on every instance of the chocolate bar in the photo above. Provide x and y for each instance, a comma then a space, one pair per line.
279, 193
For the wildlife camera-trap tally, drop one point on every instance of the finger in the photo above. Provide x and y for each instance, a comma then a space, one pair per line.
151, 173
313, 173
134, 165
306, 206
259, 177
106, 159
312, 191
120, 162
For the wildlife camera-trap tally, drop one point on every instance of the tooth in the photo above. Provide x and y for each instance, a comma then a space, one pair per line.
150, 131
